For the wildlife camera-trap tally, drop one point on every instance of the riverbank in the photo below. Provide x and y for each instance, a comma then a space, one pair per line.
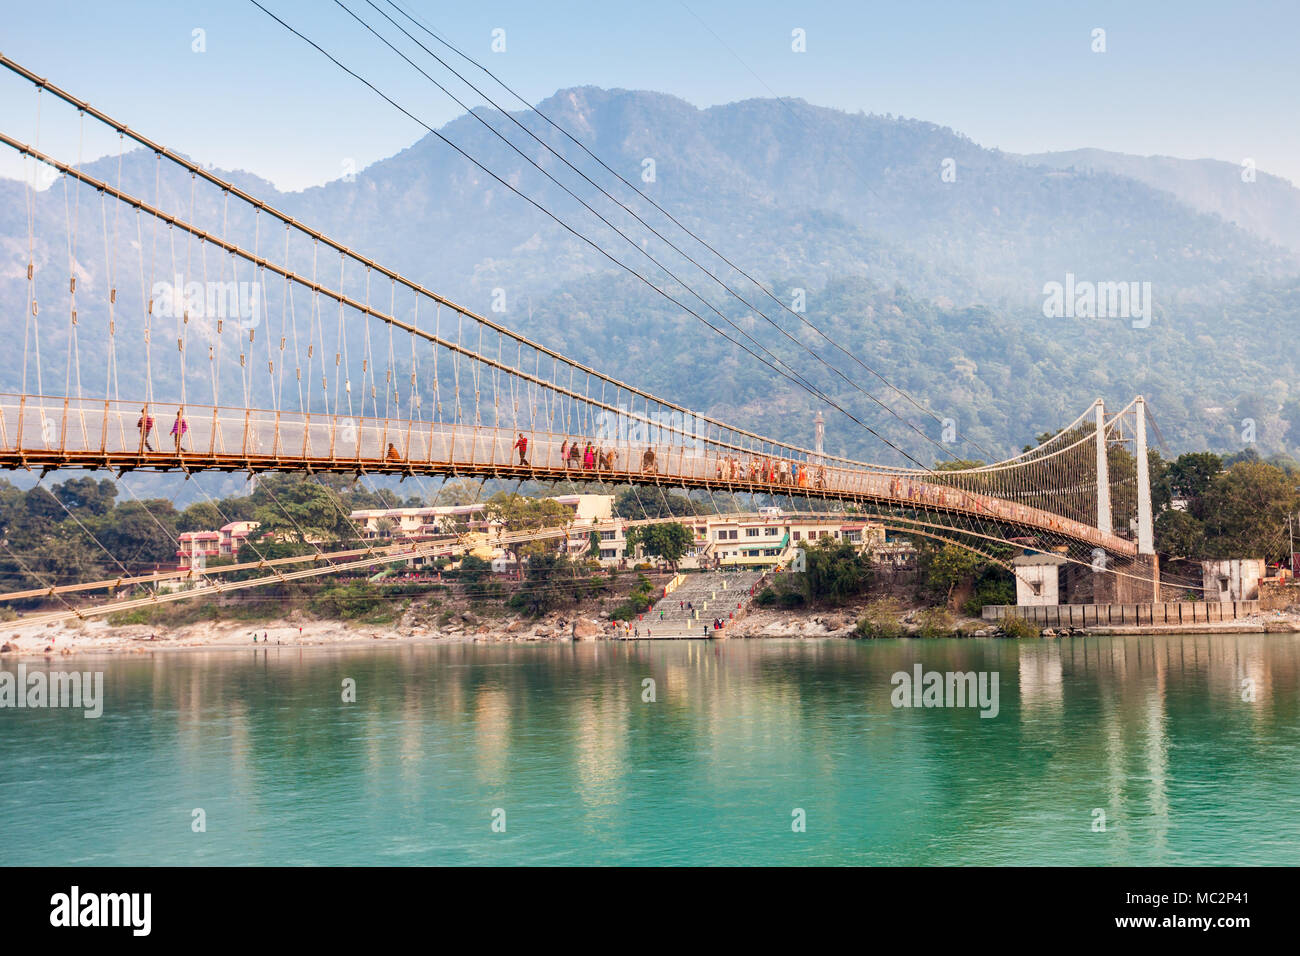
80, 637
467, 626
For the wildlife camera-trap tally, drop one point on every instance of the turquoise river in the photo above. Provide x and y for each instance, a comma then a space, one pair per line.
1148, 751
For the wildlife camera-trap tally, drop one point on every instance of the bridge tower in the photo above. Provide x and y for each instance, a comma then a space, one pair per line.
819, 434
1146, 528
1133, 580
1103, 472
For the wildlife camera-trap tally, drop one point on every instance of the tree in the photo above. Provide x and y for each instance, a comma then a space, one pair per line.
945, 567
475, 575
519, 513
516, 512
201, 516
300, 511
64, 558
42, 506
653, 502
1158, 470
552, 581
994, 585
668, 540
139, 532
834, 571
1180, 535
86, 496
1187, 477
462, 491
638, 600
1246, 509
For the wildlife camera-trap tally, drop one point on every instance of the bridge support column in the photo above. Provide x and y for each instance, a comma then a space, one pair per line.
1146, 528
1114, 580
1103, 472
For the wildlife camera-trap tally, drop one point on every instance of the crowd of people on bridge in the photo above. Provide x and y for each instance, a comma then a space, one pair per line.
772, 471
577, 455
591, 457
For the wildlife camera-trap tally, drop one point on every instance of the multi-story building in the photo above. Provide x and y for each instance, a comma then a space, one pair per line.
196, 548
447, 519
771, 538
418, 522
233, 536
766, 539
588, 508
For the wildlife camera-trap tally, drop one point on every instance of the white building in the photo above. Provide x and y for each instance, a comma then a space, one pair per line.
1038, 579
415, 522
1236, 579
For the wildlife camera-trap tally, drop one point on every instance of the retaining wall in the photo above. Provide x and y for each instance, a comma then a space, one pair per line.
1088, 615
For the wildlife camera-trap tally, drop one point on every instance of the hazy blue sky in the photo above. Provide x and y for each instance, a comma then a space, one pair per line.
1188, 79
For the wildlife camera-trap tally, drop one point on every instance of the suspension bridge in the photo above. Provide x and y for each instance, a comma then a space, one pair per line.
175, 322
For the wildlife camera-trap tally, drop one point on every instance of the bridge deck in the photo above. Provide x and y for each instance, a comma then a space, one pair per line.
48, 433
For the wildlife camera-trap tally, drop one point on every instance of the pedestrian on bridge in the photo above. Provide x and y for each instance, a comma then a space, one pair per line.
145, 424
522, 444
179, 428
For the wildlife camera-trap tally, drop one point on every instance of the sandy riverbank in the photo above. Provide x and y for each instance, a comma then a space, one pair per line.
101, 637
98, 636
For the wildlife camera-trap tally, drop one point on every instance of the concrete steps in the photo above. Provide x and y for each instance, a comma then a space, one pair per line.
710, 594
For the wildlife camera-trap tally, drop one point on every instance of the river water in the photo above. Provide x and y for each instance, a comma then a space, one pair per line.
1103, 751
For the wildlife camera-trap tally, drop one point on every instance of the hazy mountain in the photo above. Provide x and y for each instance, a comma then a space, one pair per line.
1266, 205
783, 187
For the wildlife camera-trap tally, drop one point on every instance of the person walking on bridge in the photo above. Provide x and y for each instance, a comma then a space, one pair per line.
145, 424
522, 444
179, 428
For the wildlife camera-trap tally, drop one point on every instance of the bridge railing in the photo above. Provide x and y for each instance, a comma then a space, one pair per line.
156, 431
